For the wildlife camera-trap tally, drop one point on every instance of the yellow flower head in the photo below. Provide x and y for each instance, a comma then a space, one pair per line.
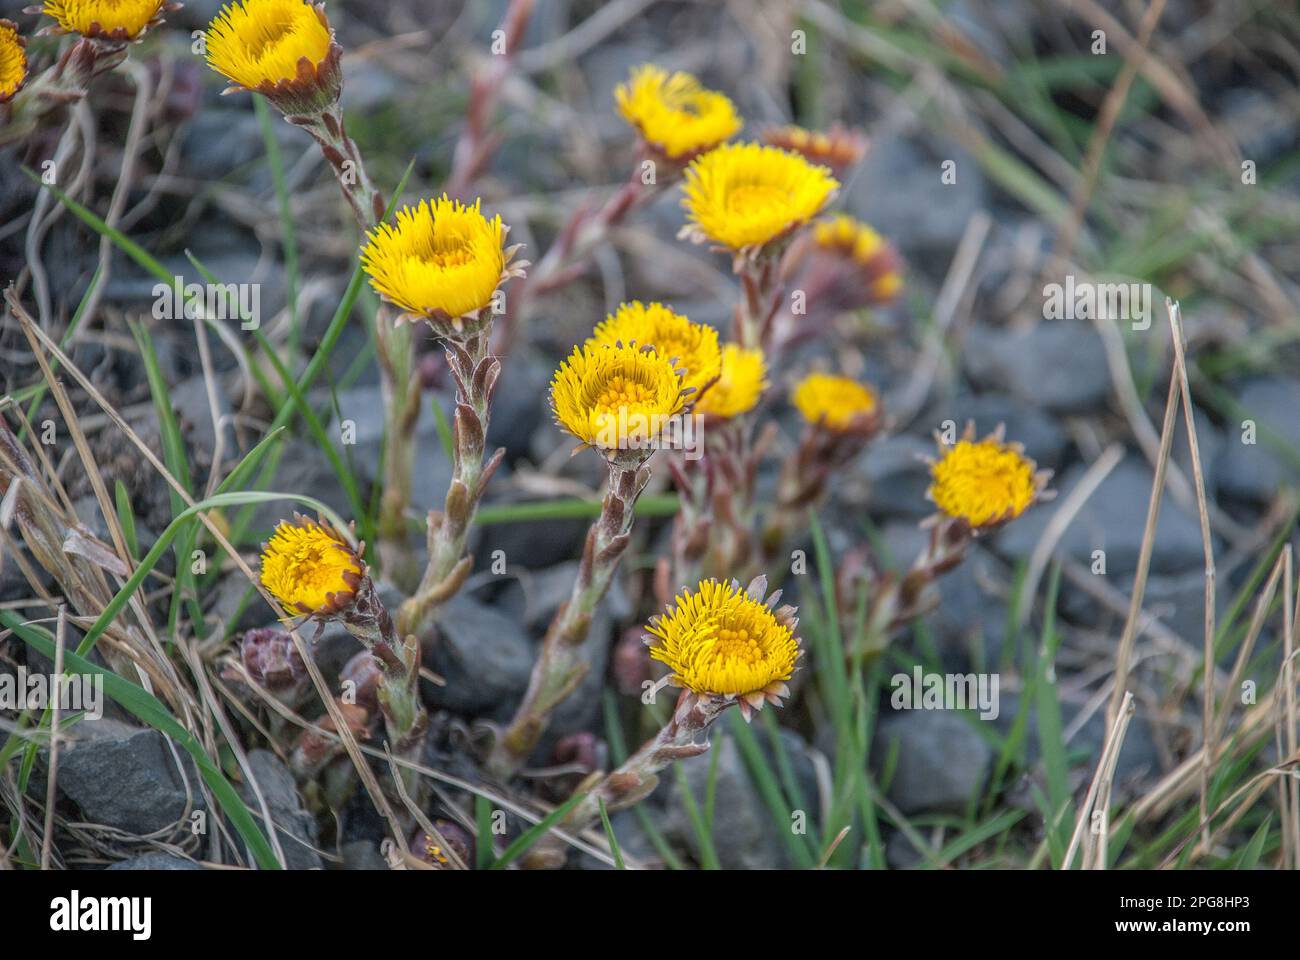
13, 61
835, 402
743, 195
872, 256
109, 19
673, 113
283, 46
310, 568
616, 397
743, 380
441, 261
985, 482
692, 347
838, 147
727, 642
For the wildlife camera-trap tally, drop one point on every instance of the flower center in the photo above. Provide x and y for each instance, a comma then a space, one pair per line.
756, 198
268, 37
737, 644
622, 392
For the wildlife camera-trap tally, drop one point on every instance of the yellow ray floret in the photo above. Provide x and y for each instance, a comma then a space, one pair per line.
616, 397
692, 346
13, 60
984, 482
255, 42
441, 258
743, 380
91, 17
835, 402
745, 194
722, 640
674, 113
309, 568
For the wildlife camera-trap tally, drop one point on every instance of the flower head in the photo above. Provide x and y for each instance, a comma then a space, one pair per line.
838, 403
118, 20
674, 114
743, 380
693, 347
616, 397
838, 147
441, 262
723, 641
283, 49
271, 659
310, 568
13, 61
867, 265
745, 195
985, 482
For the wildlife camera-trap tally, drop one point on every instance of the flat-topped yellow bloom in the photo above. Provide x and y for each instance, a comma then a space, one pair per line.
616, 397
113, 19
743, 380
744, 195
835, 402
985, 482
262, 43
693, 347
13, 61
310, 568
674, 113
440, 260
856, 241
724, 641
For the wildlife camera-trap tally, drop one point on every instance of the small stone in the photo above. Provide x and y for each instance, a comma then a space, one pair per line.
942, 760
155, 861
294, 826
1058, 365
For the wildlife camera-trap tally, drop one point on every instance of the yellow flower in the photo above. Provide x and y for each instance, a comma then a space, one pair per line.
674, 113
616, 397
743, 380
13, 61
728, 642
836, 402
693, 347
856, 241
744, 195
310, 568
261, 44
837, 148
112, 19
985, 482
442, 260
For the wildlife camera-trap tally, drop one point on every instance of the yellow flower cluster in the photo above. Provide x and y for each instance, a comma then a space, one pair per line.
743, 380
263, 42
725, 641
674, 113
834, 402
117, 19
616, 397
985, 482
13, 61
309, 568
693, 347
858, 242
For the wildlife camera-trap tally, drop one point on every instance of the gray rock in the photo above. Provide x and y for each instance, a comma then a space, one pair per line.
485, 657
1058, 365
189, 400
519, 405
1256, 472
1113, 520
362, 855
155, 861
294, 826
923, 216
890, 479
942, 760
745, 833
124, 777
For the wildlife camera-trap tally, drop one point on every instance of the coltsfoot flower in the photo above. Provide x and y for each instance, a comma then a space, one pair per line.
693, 347
116, 20
837, 403
271, 659
441, 262
310, 568
744, 196
282, 49
617, 397
743, 380
986, 482
874, 276
725, 642
837, 147
13, 60
674, 114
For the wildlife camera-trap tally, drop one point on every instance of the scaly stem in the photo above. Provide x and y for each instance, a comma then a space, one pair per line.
564, 660
476, 373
